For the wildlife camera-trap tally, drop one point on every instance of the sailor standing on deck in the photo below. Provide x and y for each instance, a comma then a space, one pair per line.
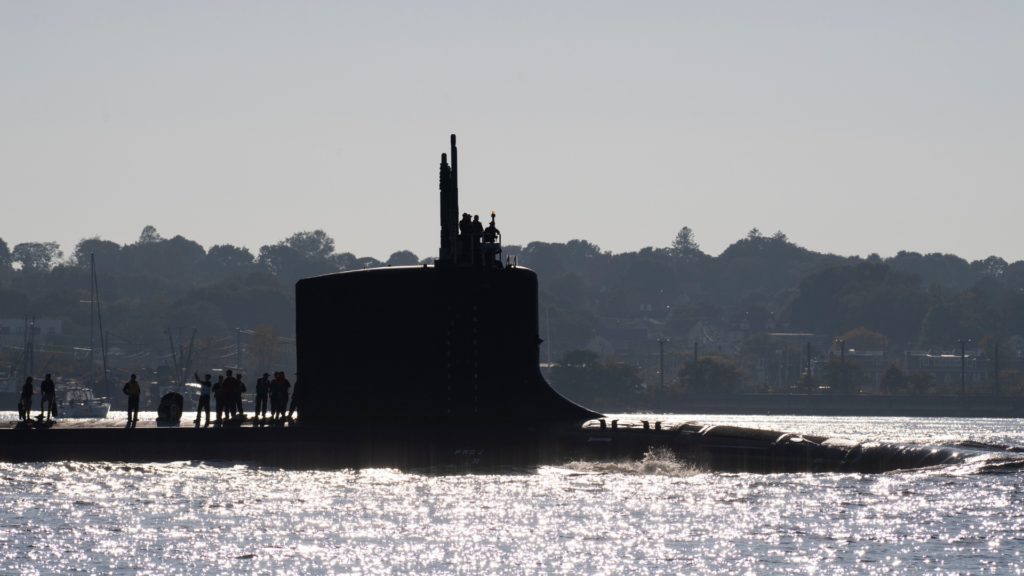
205, 387
281, 386
230, 386
262, 390
466, 235
478, 234
26, 399
132, 389
218, 395
295, 395
239, 390
49, 394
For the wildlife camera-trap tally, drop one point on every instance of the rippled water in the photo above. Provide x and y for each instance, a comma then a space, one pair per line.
655, 516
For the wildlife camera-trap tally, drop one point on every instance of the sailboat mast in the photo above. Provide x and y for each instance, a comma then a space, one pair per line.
92, 305
99, 319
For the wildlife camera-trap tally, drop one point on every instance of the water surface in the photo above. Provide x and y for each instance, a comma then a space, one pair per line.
654, 516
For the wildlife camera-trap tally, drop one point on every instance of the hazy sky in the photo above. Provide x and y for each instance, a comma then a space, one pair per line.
852, 127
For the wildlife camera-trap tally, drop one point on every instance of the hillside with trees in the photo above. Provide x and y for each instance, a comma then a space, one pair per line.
910, 299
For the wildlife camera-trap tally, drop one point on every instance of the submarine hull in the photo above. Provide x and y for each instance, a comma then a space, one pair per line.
467, 448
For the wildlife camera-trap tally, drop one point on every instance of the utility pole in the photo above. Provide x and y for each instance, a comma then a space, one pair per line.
547, 324
808, 367
661, 371
92, 304
32, 348
963, 371
696, 365
648, 366
842, 363
997, 368
24, 350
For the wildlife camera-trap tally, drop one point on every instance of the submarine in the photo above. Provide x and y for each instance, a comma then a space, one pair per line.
438, 367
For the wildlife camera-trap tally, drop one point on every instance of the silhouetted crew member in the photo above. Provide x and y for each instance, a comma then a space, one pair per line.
218, 395
478, 235
205, 387
281, 386
262, 390
273, 396
132, 389
26, 398
49, 394
466, 235
295, 396
491, 232
239, 390
230, 387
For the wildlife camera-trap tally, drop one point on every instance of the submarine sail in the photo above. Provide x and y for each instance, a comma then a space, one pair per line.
453, 343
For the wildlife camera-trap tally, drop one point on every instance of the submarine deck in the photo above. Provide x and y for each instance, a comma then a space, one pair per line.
92, 424
394, 445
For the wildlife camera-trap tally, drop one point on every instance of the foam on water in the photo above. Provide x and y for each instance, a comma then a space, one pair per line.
658, 461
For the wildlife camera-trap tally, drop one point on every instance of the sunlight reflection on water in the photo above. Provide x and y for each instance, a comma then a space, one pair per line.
655, 516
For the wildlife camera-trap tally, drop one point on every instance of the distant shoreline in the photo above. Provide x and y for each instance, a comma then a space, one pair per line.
842, 405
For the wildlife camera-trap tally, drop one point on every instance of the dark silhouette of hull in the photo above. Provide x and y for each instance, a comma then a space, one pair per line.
464, 448
425, 346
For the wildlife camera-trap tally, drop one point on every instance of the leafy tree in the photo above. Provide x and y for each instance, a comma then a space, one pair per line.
203, 316
946, 270
365, 263
965, 315
37, 256
107, 252
210, 352
832, 376
570, 327
225, 260
140, 286
875, 296
544, 259
993, 267
312, 245
894, 380
861, 339
246, 302
710, 374
919, 382
149, 235
756, 263
578, 255
6, 260
13, 303
176, 260
647, 277
1011, 383
580, 376
263, 349
685, 247
569, 287
403, 258
684, 317
279, 259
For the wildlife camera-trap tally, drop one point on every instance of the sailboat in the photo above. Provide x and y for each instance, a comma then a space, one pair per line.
94, 305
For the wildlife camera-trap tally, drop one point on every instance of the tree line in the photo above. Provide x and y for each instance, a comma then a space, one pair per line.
910, 299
